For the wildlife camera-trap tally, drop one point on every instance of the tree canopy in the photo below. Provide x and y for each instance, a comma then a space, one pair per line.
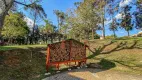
14, 26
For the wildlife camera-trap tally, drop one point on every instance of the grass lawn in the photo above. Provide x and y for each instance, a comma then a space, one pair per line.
5, 48
27, 62
125, 60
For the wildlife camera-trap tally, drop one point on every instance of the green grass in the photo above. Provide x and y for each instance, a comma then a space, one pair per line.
18, 64
125, 60
23, 64
5, 48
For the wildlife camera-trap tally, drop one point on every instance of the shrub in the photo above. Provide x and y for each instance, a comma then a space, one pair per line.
111, 37
96, 36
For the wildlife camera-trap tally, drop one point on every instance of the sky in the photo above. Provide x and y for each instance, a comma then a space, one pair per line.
63, 5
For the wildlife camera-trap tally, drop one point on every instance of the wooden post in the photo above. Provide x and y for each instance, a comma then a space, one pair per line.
58, 66
47, 58
85, 52
70, 52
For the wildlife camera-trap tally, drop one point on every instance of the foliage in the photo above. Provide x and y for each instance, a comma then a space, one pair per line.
83, 21
48, 28
126, 19
100, 8
138, 15
36, 9
113, 25
15, 26
112, 9
139, 1
111, 37
37, 13
61, 17
96, 36
7, 5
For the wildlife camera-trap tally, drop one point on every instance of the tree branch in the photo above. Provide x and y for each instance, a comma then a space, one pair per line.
21, 3
4, 3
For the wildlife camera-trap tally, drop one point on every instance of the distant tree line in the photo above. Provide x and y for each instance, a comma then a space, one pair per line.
90, 16
80, 23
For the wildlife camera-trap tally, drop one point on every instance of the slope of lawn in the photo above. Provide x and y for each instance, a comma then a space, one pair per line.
27, 62
126, 58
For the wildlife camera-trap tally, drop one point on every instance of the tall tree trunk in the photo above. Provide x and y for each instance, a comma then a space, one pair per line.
103, 27
51, 37
87, 35
1, 22
5, 5
58, 24
114, 35
34, 27
128, 33
92, 34
103, 32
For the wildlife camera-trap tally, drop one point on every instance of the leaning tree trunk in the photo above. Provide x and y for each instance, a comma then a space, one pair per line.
5, 5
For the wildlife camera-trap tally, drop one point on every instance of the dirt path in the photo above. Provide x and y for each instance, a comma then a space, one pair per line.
93, 74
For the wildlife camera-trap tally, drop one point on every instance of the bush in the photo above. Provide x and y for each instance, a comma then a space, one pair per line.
96, 36
111, 37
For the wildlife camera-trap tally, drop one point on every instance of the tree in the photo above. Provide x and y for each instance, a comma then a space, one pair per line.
83, 20
113, 27
60, 18
89, 17
6, 5
139, 1
37, 12
99, 6
138, 15
126, 19
112, 9
57, 12
48, 28
14, 26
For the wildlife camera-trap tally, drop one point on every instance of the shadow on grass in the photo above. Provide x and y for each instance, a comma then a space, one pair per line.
121, 46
